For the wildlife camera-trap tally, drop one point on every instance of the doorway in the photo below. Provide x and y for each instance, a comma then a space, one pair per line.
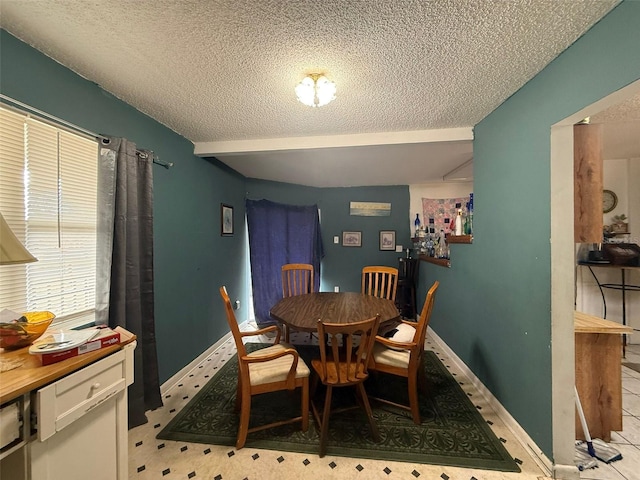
563, 272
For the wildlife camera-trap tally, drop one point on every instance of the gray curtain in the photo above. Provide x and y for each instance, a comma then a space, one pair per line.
125, 295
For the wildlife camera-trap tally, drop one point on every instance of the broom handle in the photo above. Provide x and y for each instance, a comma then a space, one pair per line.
582, 419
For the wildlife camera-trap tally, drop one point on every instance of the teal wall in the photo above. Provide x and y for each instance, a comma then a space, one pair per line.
191, 258
341, 266
494, 304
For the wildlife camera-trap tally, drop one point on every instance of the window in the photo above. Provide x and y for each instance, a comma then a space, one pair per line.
48, 192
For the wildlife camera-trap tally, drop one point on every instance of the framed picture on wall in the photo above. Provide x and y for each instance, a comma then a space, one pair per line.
351, 239
226, 220
387, 240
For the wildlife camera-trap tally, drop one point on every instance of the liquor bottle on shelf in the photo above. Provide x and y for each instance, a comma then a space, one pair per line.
441, 249
458, 227
467, 221
416, 223
429, 245
470, 214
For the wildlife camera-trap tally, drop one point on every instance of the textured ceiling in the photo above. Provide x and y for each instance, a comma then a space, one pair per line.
626, 111
222, 73
621, 129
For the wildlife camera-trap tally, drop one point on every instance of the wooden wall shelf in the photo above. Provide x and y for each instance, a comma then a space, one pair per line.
443, 262
451, 239
459, 239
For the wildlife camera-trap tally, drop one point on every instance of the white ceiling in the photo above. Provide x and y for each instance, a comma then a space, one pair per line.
413, 76
621, 129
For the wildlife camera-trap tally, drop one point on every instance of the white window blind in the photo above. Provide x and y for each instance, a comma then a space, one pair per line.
48, 194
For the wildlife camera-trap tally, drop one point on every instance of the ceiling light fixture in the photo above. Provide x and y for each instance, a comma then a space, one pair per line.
315, 90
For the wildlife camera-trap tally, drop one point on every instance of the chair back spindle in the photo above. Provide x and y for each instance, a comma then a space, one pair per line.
233, 323
297, 279
380, 281
347, 347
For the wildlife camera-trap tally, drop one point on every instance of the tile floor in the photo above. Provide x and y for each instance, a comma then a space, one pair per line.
152, 459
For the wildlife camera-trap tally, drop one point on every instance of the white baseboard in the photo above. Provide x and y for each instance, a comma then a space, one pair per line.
177, 378
521, 435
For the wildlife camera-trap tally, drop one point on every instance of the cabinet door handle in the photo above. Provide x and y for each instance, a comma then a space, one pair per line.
83, 408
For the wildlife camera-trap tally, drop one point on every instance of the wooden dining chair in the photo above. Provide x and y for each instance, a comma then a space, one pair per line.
297, 279
404, 358
273, 368
380, 281
344, 350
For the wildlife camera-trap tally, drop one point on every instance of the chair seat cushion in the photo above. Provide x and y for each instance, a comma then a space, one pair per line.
387, 356
274, 370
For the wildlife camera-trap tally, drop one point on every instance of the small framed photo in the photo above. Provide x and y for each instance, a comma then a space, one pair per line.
387, 240
351, 239
226, 220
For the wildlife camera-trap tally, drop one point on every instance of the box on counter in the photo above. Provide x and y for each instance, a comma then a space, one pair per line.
106, 337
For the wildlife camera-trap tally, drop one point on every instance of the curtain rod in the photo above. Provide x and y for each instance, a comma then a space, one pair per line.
72, 126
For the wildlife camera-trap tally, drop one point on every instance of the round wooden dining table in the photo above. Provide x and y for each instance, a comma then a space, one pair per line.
302, 312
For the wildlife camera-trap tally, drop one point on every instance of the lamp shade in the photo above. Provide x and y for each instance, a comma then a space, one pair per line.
11, 250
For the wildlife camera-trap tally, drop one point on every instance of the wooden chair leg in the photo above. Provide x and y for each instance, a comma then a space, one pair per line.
412, 382
324, 426
305, 404
365, 401
238, 401
243, 428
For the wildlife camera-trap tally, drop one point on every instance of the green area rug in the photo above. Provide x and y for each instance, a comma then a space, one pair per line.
452, 432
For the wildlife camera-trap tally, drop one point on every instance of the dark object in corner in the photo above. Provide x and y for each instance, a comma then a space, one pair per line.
622, 253
390, 333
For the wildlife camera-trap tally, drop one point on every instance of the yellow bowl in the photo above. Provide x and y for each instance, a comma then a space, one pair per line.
23, 331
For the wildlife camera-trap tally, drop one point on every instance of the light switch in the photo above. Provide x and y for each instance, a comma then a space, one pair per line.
336, 239
399, 248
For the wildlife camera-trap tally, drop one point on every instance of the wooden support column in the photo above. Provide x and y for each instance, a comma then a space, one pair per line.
588, 183
598, 356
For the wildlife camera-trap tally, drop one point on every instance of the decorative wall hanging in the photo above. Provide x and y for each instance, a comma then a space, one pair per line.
388, 240
351, 239
438, 213
226, 220
370, 209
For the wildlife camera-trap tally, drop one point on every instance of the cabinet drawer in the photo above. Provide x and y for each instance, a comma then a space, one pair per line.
71, 397
11, 424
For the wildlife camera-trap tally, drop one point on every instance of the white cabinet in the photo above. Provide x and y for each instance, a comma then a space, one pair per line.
80, 425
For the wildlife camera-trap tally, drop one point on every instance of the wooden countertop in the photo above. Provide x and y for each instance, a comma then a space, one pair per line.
585, 323
32, 375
